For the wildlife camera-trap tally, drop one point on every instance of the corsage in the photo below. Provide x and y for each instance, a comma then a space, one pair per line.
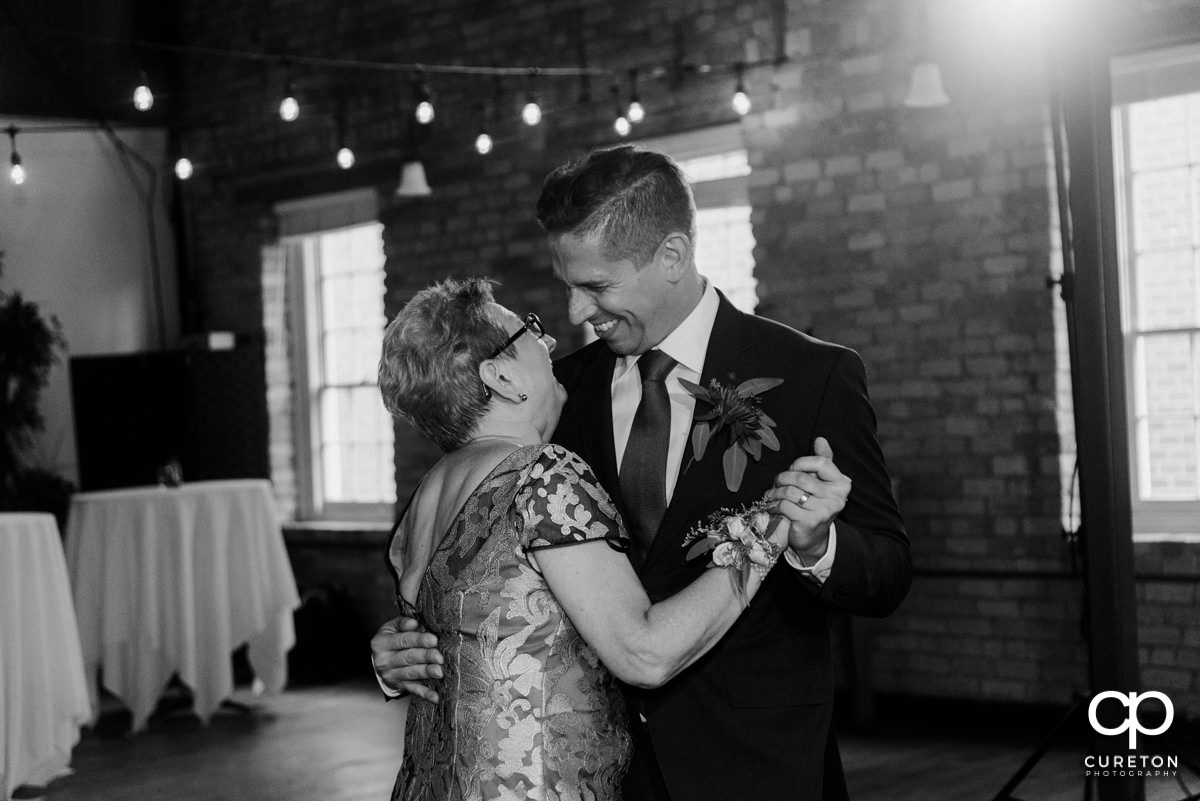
737, 540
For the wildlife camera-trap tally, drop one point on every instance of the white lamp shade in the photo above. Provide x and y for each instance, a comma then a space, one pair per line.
926, 90
412, 181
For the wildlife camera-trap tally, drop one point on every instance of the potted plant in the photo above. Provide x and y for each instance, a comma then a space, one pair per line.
29, 345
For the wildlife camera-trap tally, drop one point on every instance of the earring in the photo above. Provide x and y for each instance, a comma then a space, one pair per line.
487, 393
524, 397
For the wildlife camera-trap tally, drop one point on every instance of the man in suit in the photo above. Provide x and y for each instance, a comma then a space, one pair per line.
752, 718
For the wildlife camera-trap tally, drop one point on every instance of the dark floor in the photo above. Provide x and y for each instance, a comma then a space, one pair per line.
341, 743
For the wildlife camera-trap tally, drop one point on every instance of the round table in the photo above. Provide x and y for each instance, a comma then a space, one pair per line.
43, 691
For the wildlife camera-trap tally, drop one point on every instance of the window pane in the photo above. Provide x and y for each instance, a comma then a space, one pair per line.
1172, 446
1162, 182
725, 253
1170, 374
1162, 209
1166, 290
711, 168
1158, 133
356, 461
353, 452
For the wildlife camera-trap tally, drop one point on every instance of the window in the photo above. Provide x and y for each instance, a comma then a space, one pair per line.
1156, 120
333, 263
715, 161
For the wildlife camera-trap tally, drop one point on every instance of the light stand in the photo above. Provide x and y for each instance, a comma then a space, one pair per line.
1080, 112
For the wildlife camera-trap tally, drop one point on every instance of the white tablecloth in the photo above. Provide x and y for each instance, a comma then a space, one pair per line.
43, 692
172, 580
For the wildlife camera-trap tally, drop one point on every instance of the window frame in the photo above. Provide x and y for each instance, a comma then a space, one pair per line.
1141, 77
301, 223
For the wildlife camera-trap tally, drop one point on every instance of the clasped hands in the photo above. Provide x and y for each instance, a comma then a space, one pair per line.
809, 495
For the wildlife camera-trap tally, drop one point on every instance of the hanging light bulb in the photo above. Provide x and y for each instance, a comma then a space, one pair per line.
16, 171
289, 107
741, 100
143, 98
483, 142
345, 156
621, 122
636, 112
531, 112
424, 112
183, 168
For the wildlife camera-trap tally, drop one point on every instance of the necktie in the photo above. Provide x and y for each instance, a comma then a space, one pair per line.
644, 467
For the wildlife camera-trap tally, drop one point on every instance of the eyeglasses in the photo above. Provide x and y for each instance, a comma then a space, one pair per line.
530, 323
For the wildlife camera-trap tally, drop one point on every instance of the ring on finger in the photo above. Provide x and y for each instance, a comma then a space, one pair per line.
804, 496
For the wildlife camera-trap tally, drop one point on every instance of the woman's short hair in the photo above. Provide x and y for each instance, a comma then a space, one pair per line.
432, 349
627, 197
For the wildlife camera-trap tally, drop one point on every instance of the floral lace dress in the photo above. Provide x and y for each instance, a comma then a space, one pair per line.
526, 709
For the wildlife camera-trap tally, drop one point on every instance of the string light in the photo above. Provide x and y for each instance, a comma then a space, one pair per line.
143, 98
289, 107
17, 171
627, 115
424, 112
636, 112
345, 156
621, 123
183, 165
531, 113
741, 100
484, 142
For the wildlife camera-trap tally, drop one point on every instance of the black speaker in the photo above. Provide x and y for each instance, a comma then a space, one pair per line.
135, 412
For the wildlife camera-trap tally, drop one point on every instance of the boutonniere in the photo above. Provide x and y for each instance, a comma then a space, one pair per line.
738, 412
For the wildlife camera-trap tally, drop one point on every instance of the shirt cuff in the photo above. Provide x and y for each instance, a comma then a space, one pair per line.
819, 572
388, 691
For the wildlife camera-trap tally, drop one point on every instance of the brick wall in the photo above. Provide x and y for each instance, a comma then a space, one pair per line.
922, 238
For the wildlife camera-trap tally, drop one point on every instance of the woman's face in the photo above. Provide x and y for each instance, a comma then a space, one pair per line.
532, 367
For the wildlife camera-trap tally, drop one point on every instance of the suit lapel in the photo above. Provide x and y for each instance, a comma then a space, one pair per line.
596, 422
700, 481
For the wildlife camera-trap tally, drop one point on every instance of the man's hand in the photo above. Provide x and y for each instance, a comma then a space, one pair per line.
810, 495
404, 657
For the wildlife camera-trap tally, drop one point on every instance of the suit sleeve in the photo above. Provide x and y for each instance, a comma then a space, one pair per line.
872, 570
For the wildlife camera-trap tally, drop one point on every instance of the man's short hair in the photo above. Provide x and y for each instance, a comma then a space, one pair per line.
626, 197
432, 349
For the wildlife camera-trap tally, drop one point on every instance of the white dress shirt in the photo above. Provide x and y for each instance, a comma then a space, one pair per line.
687, 345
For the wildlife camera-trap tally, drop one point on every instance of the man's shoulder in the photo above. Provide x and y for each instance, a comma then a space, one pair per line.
773, 338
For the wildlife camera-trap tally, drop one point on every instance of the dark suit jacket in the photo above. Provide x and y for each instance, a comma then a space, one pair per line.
751, 719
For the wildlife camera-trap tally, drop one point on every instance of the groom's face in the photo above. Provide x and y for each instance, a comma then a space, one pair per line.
630, 308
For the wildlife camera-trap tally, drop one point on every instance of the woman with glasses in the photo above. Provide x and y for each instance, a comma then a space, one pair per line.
512, 553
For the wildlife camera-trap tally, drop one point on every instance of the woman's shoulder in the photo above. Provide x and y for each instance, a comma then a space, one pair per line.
552, 460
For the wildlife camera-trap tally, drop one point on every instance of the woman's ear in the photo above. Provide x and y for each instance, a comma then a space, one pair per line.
502, 382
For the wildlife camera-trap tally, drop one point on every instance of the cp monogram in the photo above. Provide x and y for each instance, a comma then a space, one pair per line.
1132, 723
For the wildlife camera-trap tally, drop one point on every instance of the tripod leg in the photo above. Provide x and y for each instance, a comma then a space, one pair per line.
1006, 792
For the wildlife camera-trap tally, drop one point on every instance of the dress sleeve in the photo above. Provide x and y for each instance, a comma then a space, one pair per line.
561, 503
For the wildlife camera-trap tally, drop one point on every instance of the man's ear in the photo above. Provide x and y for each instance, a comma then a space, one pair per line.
674, 254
